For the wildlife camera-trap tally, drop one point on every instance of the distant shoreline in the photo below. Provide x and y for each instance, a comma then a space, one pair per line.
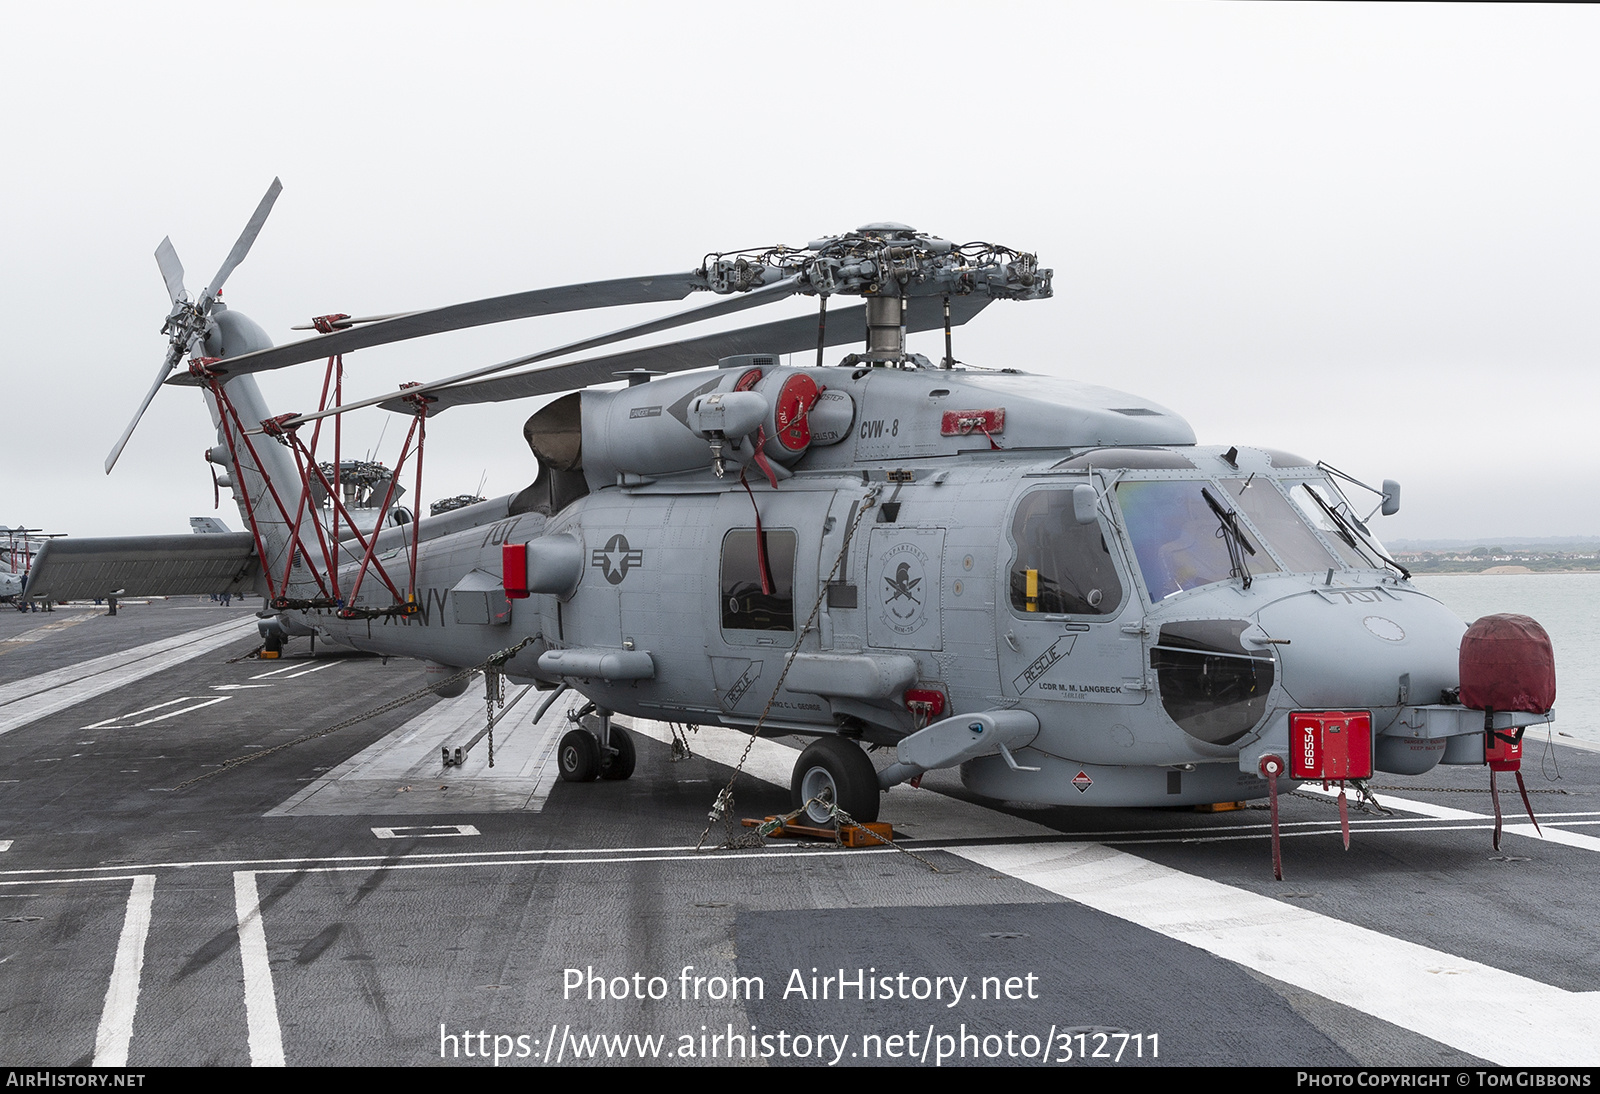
1497, 571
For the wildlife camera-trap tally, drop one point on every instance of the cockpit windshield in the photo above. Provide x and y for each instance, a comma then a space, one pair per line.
1181, 543
1179, 539
1280, 524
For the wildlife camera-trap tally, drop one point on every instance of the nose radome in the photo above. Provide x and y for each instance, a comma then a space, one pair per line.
1342, 649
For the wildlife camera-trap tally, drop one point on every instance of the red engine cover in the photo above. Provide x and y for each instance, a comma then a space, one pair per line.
514, 570
1507, 664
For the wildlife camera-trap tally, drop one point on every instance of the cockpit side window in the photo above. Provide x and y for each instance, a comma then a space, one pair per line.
1061, 567
745, 607
1314, 500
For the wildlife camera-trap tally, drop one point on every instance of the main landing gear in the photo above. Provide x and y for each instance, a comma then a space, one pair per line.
596, 748
834, 771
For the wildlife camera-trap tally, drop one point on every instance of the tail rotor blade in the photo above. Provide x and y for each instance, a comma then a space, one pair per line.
171, 270
166, 367
246, 239
186, 326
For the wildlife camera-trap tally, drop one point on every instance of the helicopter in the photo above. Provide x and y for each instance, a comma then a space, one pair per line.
18, 548
1046, 584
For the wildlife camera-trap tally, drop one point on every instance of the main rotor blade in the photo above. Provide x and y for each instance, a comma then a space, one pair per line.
474, 313
726, 306
795, 335
171, 270
242, 247
166, 367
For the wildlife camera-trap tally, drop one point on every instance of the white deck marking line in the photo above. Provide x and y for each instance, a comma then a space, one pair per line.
1424, 990
146, 710
1460, 826
122, 994
26, 701
40, 875
274, 672
447, 858
185, 710
534, 858
72, 880
199, 701
425, 831
33, 685
1552, 834
260, 1001
308, 672
43, 632
290, 865
5, 845
1445, 812
1426, 809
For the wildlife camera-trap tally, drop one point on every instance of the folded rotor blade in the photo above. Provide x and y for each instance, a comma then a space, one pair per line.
726, 306
475, 313
166, 367
242, 247
795, 335
171, 270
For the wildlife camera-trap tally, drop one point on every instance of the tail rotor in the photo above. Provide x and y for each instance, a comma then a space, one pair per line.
188, 323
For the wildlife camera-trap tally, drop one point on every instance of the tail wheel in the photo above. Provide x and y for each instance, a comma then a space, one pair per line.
834, 770
579, 756
617, 761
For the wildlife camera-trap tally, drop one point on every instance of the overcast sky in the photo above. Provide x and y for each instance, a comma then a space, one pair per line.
1365, 234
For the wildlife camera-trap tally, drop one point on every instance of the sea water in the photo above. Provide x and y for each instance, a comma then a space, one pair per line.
1567, 606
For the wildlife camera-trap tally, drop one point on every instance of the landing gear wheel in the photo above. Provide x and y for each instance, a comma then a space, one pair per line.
579, 756
839, 769
618, 765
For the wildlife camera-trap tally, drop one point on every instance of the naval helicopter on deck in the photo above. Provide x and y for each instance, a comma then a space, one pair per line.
1048, 584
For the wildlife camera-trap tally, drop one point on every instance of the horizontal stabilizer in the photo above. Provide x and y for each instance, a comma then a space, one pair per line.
177, 565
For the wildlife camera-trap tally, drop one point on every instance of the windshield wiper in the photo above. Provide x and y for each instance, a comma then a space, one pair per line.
1338, 522
1349, 528
1232, 536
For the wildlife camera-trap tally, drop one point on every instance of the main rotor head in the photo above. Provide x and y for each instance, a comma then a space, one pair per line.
883, 259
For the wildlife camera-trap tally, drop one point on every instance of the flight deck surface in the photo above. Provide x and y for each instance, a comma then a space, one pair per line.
348, 899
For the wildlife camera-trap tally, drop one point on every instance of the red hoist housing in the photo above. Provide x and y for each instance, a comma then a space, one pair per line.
1326, 746
1331, 745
